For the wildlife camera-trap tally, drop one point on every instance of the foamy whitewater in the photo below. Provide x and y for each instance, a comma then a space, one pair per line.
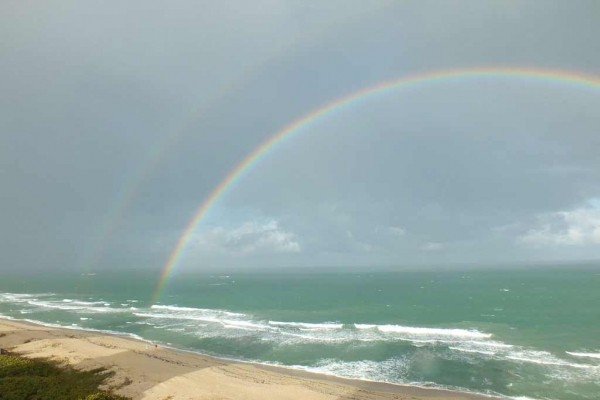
521, 334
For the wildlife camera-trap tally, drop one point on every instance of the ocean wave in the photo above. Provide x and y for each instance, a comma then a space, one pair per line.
309, 338
86, 303
389, 370
292, 332
586, 355
433, 332
210, 317
466, 350
511, 353
196, 310
245, 325
21, 297
59, 305
45, 301
392, 370
307, 325
176, 317
484, 347
545, 358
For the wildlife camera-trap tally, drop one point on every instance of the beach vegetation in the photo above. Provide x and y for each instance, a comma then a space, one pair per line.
36, 379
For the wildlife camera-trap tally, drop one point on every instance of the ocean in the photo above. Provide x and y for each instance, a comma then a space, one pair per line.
524, 333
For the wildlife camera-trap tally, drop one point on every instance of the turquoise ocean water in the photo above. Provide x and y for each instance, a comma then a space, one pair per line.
521, 333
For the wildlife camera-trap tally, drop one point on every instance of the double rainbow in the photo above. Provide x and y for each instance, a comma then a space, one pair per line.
574, 78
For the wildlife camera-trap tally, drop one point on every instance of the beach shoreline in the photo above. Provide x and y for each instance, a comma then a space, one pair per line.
147, 371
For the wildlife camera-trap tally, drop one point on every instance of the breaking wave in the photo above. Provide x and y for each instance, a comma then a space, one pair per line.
585, 355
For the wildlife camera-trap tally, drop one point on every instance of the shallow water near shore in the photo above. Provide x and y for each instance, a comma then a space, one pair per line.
530, 333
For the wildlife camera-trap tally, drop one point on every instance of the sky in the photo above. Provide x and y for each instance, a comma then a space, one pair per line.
118, 119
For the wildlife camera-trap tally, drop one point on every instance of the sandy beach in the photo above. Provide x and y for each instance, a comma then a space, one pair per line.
143, 371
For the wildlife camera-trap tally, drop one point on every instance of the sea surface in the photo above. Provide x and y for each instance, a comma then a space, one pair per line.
528, 333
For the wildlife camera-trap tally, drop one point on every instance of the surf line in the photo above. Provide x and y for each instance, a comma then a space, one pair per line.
573, 78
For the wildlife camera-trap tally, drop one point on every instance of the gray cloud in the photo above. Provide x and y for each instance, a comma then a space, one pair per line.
118, 119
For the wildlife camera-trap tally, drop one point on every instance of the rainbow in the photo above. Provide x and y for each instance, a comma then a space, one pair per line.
579, 79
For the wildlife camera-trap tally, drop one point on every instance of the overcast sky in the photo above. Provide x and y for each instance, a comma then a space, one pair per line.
118, 118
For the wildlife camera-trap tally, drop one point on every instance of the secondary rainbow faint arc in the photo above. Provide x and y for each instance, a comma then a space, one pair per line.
564, 76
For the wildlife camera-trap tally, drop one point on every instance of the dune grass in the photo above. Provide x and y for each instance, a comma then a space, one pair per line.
36, 379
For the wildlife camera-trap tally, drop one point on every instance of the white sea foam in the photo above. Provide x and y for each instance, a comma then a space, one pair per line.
196, 310
175, 316
59, 305
18, 297
244, 325
433, 332
224, 319
45, 301
491, 343
380, 371
466, 350
311, 338
389, 371
307, 325
586, 355
545, 358
86, 303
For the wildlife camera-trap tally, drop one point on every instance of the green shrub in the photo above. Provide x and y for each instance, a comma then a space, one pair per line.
9, 363
27, 379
